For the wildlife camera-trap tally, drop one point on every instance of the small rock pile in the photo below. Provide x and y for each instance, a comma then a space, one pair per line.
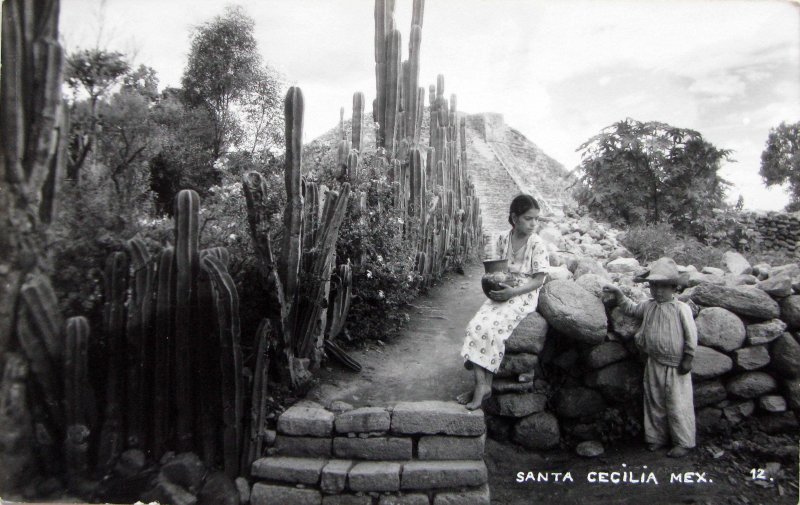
573, 363
417, 453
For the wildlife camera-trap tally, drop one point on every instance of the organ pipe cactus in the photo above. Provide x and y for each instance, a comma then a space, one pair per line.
78, 396
358, 120
253, 442
226, 303
187, 213
116, 288
289, 262
138, 332
337, 311
39, 334
164, 350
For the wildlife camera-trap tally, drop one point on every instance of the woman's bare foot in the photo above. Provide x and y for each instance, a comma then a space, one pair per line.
482, 392
464, 397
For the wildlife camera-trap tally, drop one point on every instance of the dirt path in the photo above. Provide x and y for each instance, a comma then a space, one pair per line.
423, 362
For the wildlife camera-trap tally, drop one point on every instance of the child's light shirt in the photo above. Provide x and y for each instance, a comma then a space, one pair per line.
668, 330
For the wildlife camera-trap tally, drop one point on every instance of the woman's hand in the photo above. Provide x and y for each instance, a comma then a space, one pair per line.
504, 294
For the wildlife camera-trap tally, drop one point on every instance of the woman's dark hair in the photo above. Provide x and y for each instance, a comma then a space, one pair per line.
520, 205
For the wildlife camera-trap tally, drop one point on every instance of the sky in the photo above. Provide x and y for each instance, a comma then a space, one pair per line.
558, 70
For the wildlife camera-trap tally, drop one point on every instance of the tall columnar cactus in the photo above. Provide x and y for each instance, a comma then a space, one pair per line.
163, 386
338, 310
411, 83
352, 164
16, 423
227, 311
39, 333
253, 442
289, 262
138, 336
78, 396
358, 120
312, 323
392, 94
187, 213
116, 287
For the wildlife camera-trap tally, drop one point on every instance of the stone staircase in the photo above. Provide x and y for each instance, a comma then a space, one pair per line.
494, 186
503, 163
414, 453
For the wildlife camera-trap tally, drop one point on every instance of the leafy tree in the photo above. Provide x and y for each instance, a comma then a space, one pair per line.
262, 108
223, 64
143, 81
780, 161
185, 159
636, 172
94, 71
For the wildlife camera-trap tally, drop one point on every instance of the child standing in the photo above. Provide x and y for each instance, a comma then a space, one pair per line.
668, 336
486, 333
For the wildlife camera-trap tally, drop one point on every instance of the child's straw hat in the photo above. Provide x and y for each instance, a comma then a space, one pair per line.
662, 270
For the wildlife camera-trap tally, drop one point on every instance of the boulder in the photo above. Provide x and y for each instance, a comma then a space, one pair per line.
772, 403
589, 449
244, 490
537, 431
185, 470
708, 393
573, 311
720, 328
560, 273
763, 333
585, 266
623, 266
790, 311
550, 234
776, 285
742, 300
708, 420
165, 491
515, 364
695, 278
218, 489
130, 463
713, 271
751, 385
736, 412
751, 358
735, 262
605, 354
593, 283
791, 270
709, 364
515, 404
791, 389
785, 353
529, 335
575, 402
744, 280
621, 381
761, 271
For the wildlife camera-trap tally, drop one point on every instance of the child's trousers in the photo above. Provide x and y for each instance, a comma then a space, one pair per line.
668, 406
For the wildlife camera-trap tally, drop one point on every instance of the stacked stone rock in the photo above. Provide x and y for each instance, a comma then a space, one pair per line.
747, 362
779, 231
415, 453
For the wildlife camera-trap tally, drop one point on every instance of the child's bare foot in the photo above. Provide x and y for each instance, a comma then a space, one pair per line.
464, 397
678, 452
654, 447
482, 392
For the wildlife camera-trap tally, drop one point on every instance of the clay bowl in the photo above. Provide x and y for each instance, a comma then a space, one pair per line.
495, 275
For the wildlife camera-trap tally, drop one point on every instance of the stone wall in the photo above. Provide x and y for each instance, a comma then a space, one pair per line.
572, 374
414, 453
774, 230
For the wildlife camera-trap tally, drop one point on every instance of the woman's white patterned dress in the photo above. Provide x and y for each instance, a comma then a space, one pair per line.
488, 330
